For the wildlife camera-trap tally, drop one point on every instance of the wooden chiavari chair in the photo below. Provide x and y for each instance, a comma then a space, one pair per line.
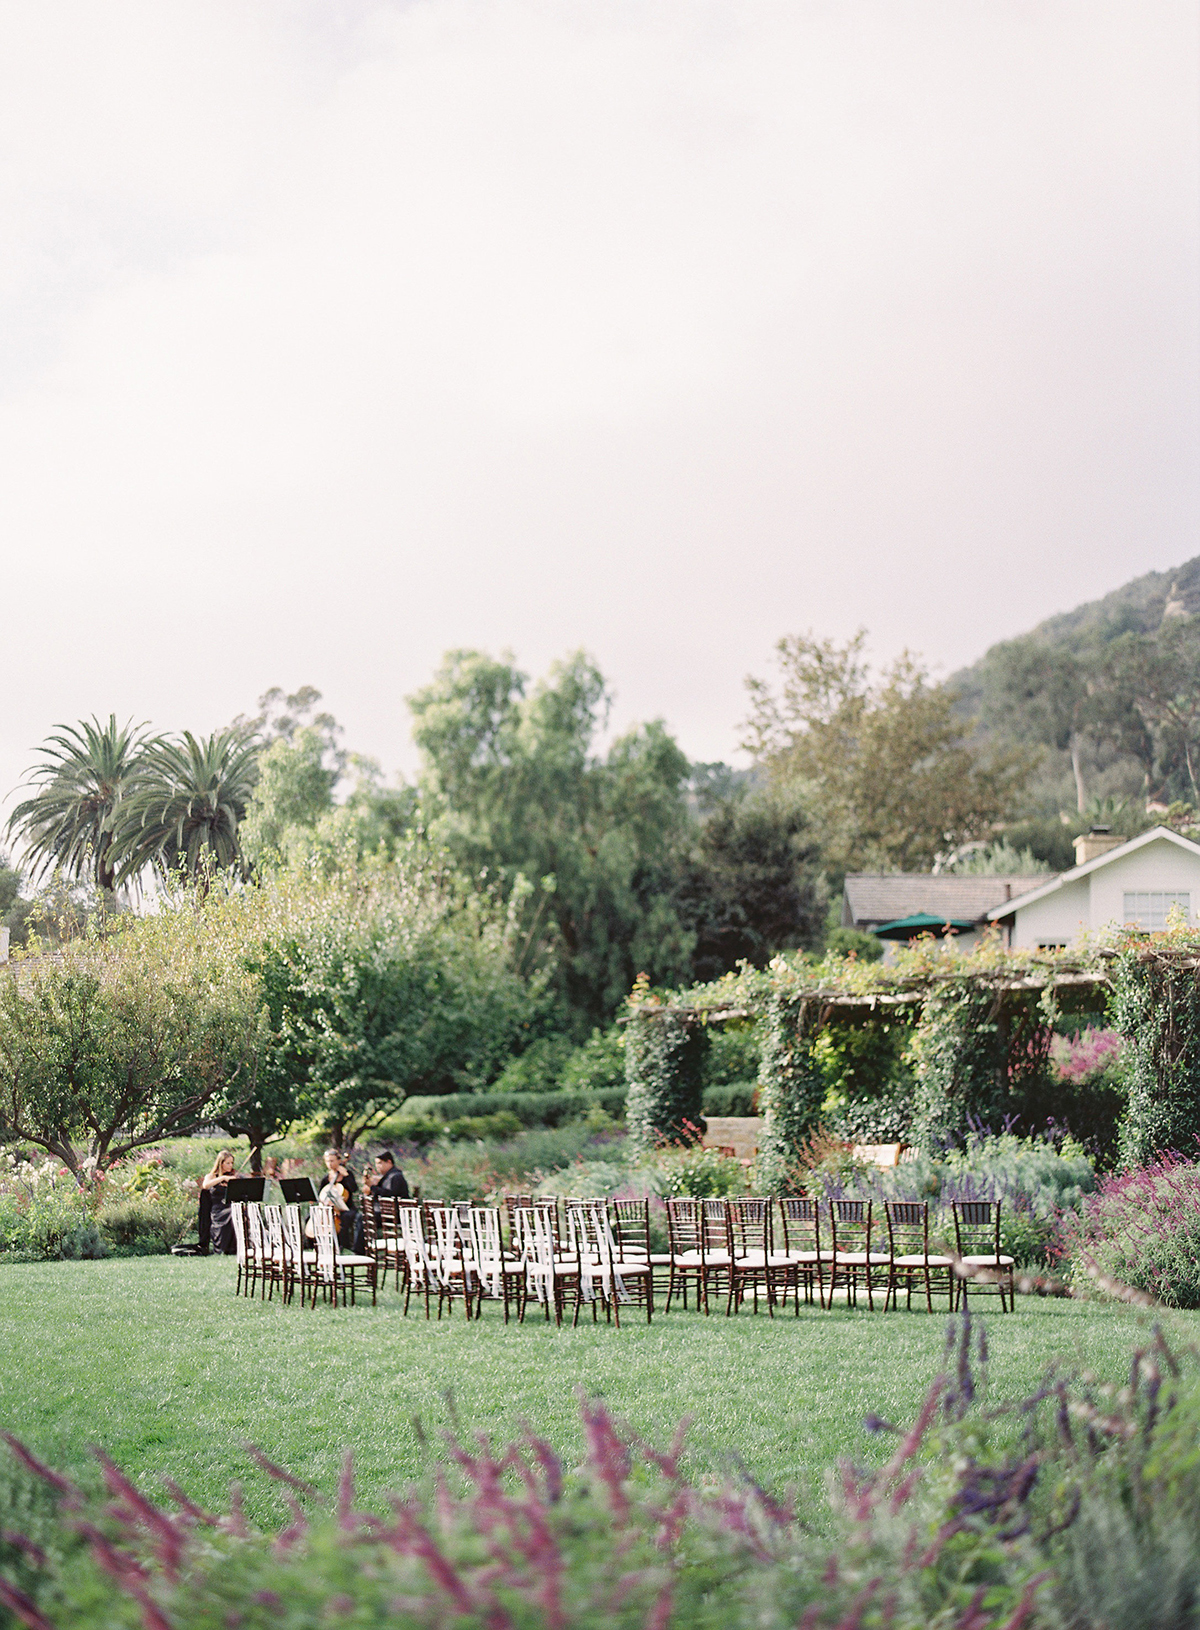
389, 1252
908, 1237
630, 1224
274, 1267
445, 1243
977, 1238
693, 1252
336, 1270
545, 1273
298, 1259
854, 1262
804, 1259
237, 1215
498, 1276
256, 1259
752, 1261
418, 1264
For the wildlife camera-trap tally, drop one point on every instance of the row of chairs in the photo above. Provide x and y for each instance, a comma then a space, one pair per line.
274, 1252
599, 1252
826, 1246
594, 1250
452, 1252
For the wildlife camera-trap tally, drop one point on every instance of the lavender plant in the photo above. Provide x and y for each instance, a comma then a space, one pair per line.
1143, 1227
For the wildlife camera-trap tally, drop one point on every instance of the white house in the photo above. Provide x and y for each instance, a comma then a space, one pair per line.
900, 906
1136, 881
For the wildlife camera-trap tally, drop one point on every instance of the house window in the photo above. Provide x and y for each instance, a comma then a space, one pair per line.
1149, 909
1052, 945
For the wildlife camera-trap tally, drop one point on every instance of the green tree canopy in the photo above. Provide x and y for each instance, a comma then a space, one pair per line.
388, 979
892, 777
119, 1041
512, 785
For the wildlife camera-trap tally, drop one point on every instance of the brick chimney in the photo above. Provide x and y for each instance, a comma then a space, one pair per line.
1091, 845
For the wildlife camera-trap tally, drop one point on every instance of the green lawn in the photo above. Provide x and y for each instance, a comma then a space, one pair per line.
157, 1361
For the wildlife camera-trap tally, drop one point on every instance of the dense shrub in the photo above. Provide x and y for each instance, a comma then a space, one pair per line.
538, 1068
504, 1124
469, 1170
144, 1226
597, 1066
664, 1067
736, 1098
687, 1169
1156, 1007
1143, 1227
1077, 1507
530, 1108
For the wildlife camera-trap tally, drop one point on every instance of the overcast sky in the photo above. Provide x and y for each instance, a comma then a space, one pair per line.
335, 335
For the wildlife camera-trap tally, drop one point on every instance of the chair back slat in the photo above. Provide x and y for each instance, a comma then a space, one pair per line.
908, 1227
851, 1225
716, 1224
325, 1238
801, 1219
977, 1227
749, 1225
685, 1226
630, 1221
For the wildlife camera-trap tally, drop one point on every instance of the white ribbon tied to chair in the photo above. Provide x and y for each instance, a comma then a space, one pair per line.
596, 1249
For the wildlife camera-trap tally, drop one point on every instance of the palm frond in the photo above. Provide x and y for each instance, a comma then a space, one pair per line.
84, 774
187, 802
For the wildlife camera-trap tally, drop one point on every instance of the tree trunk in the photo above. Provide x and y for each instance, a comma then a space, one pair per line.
1077, 771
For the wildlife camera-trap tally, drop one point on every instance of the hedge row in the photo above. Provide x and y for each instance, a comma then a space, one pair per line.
530, 1108
557, 1108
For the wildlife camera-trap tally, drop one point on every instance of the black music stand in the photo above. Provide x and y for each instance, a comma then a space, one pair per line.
245, 1188
298, 1191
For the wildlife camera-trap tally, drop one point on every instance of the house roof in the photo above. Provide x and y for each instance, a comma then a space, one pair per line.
884, 897
1007, 907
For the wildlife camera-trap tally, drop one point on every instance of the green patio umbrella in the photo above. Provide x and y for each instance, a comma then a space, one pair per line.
923, 922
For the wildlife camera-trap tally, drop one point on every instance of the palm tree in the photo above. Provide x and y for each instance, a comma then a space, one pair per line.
187, 802
69, 823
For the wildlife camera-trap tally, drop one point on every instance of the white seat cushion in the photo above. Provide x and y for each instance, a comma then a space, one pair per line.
918, 1261
989, 1261
860, 1257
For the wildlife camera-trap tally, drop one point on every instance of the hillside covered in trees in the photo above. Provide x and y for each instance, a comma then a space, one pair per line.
1109, 695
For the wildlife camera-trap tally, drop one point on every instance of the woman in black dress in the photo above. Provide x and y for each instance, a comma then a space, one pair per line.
215, 1184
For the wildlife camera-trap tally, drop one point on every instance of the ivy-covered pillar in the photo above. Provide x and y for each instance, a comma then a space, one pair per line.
791, 1084
1155, 1004
664, 1069
979, 1051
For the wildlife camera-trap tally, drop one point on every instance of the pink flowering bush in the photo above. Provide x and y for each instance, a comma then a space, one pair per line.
1143, 1227
1088, 1053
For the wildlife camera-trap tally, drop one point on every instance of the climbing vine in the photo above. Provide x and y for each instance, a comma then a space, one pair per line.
791, 1082
664, 1069
1156, 1006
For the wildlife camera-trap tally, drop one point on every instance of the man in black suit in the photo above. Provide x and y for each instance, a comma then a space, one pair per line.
387, 1179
